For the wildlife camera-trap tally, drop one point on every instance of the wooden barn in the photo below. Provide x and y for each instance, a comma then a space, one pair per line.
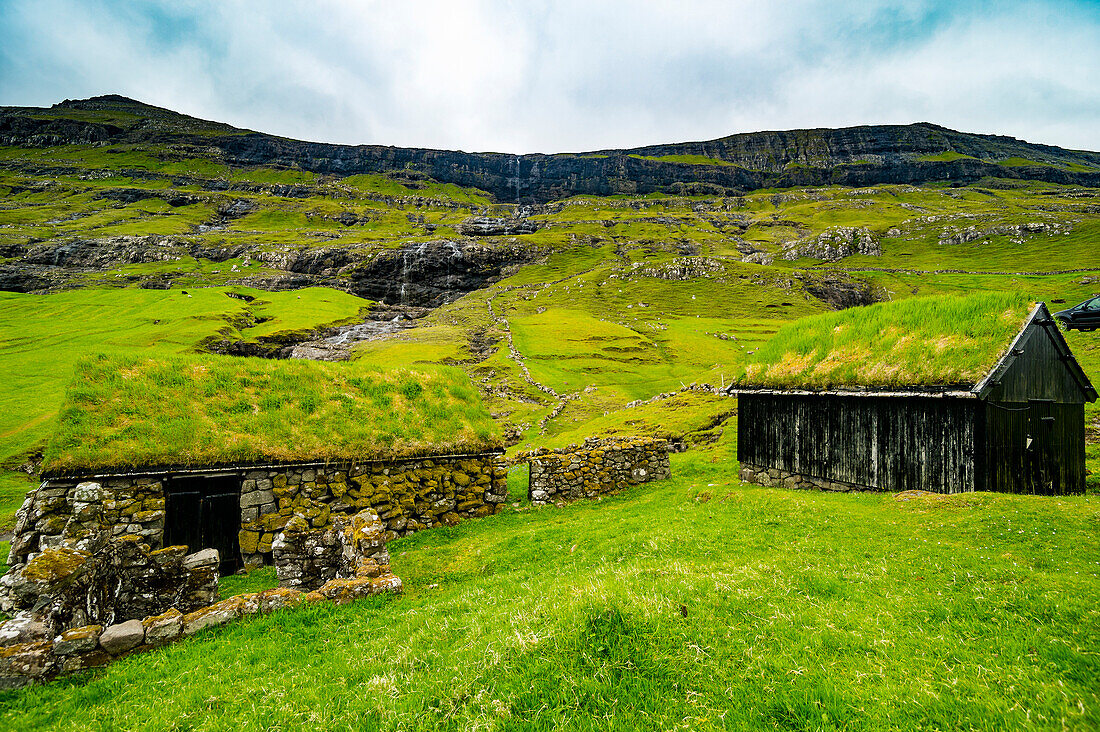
945, 394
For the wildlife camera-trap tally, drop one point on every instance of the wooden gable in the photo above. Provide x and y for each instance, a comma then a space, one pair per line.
1038, 365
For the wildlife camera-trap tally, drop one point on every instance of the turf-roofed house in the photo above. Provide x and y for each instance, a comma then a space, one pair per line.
942, 394
222, 452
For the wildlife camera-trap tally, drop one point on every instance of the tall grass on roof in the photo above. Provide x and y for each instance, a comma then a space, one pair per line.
926, 341
128, 411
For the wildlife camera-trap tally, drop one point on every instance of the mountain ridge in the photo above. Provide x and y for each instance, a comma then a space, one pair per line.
854, 156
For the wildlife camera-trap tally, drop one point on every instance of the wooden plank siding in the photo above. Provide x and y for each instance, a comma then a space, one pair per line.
1052, 463
1039, 371
1020, 429
882, 443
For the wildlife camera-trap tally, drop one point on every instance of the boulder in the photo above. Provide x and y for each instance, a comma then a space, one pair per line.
163, 628
121, 637
77, 640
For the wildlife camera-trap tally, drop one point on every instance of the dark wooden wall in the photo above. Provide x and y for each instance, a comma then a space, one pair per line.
1039, 371
1052, 463
942, 445
884, 443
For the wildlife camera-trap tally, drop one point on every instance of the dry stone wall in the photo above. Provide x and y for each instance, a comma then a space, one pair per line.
596, 467
75, 609
114, 580
91, 580
74, 513
407, 495
351, 547
32, 652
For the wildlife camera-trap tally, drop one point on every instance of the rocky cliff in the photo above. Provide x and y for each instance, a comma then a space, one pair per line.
855, 156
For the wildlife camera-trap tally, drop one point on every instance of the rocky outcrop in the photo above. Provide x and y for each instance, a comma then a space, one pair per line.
433, 273
486, 226
833, 244
1017, 232
427, 274
839, 292
681, 269
104, 253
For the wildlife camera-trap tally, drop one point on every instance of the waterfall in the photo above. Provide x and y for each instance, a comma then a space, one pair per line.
517, 178
409, 259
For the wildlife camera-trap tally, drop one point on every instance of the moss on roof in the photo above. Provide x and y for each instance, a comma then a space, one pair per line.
128, 411
917, 342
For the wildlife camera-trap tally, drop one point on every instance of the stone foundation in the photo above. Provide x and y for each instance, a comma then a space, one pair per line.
596, 467
777, 478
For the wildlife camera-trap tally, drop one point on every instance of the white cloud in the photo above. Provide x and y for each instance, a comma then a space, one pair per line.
552, 76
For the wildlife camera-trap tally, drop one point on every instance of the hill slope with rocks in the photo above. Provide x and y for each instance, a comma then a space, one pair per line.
576, 316
697, 600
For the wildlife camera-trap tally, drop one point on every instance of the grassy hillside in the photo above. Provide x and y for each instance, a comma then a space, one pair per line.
629, 297
692, 603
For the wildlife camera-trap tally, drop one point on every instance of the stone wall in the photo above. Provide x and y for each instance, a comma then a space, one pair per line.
777, 478
74, 513
596, 467
353, 546
109, 581
31, 652
76, 609
408, 495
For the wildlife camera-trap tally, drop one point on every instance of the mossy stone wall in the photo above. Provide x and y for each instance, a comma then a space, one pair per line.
408, 495
71, 512
596, 467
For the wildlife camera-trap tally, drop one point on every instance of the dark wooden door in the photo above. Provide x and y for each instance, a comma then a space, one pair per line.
1044, 476
204, 512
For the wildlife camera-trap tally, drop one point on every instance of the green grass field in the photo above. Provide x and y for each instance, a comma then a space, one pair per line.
694, 603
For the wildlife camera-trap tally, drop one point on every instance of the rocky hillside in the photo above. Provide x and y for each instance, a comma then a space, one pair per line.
855, 156
576, 316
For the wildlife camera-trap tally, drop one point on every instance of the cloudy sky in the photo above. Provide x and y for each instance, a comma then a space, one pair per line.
538, 76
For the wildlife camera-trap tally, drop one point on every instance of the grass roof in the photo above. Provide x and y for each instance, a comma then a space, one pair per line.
917, 342
129, 411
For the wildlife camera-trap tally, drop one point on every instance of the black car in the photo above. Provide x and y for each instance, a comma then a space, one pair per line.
1085, 316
